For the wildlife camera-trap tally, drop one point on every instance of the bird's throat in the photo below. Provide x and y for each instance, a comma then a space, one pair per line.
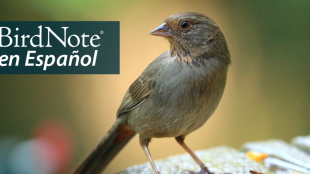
177, 50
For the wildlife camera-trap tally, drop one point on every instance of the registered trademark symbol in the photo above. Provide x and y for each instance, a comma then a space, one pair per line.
101, 32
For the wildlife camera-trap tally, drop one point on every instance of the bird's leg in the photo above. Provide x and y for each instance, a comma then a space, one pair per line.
204, 169
144, 144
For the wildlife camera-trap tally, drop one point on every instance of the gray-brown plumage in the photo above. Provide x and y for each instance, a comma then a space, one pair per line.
175, 94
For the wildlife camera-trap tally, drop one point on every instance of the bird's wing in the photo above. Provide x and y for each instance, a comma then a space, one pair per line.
138, 92
142, 88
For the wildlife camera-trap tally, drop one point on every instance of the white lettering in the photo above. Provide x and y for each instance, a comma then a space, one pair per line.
40, 60
64, 62
63, 42
46, 64
95, 58
3, 58
39, 36
11, 60
8, 36
92, 39
77, 38
23, 40
83, 40
28, 58
88, 60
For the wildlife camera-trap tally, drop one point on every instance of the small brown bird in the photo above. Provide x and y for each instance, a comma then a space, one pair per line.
175, 94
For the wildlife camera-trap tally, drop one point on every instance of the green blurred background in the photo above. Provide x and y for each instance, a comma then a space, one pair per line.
267, 93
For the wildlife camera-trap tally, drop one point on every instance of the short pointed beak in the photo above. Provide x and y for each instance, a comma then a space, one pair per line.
164, 30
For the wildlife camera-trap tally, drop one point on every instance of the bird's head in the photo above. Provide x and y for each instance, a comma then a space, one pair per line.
192, 34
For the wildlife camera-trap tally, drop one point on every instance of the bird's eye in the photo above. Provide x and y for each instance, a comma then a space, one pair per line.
185, 25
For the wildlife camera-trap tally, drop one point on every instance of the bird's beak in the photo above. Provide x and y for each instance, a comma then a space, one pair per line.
164, 30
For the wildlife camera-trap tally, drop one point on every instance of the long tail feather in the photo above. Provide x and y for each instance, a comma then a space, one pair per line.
117, 137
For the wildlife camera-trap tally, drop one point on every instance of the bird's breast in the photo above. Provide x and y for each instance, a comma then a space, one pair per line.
187, 85
184, 98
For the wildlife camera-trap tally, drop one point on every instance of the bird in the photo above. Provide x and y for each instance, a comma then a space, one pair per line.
174, 96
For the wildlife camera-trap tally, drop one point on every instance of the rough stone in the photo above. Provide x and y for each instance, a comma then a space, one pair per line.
219, 160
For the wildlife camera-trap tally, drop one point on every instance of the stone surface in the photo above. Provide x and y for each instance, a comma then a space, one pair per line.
281, 150
219, 160
302, 142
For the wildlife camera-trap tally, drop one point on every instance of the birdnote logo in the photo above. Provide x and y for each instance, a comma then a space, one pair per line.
59, 47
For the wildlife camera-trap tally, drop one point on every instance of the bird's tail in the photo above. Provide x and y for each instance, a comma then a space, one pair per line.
107, 149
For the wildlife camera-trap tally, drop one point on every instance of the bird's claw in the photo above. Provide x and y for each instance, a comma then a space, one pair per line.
205, 170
